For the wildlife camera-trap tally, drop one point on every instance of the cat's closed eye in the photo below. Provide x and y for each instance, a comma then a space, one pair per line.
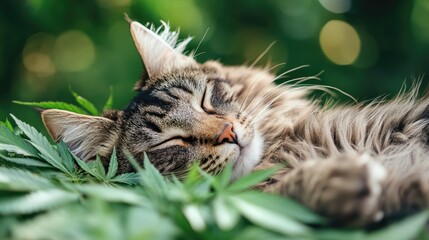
206, 101
173, 141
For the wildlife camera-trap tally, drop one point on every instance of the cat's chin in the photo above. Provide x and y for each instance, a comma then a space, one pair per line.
250, 155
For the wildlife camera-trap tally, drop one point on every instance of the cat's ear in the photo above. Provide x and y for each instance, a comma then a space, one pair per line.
159, 49
86, 136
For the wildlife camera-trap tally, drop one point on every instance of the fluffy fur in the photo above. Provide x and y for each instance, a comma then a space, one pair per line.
357, 163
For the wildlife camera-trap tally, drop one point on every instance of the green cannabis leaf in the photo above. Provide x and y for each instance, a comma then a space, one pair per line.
46, 192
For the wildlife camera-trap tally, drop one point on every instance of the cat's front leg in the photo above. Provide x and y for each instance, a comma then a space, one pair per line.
346, 188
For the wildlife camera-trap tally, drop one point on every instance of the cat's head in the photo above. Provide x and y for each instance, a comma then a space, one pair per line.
183, 112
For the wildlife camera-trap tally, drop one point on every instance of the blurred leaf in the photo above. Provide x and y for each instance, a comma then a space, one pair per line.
193, 175
255, 233
84, 103
35, 201
251, 179
22, 180
340, 234
282, 205
113, 194
54, 105
9, 140
95, 220
13, 149
408, 228
109, 103
47, 151
194, 216
24, 161
146, 223
226, 216
222, 180
263, 216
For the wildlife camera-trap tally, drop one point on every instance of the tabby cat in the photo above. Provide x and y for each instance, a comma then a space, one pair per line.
357, 164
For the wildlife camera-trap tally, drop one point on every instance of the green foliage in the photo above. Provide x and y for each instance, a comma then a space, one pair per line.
85, 106
84, 103
56, 105
48, 193
109, 103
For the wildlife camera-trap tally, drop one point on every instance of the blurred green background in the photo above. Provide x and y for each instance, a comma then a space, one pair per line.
366, 48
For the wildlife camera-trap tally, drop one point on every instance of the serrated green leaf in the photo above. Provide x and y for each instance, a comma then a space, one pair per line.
113, 165
66, 156
99, 168
8, 137
54, 105
24, 161
153, 178
47, 151
14, 149
8, 125
252, 179
408, 228
86, 166
126, 178
262, 216
84, 103
35, 201
109, 103
20, 180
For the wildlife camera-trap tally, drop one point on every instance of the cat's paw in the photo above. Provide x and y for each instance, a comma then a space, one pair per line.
348, 189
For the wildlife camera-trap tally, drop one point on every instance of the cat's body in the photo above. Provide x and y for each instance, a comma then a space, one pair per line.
352, 163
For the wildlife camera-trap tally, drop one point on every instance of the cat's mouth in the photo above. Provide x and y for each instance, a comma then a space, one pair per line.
250, 153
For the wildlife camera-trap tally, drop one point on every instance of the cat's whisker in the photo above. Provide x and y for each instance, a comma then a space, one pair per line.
289, 71
262, 54
266, 108
273, 80
326, 89
276, 78
270, 93
256, 80
195, 53
298, 80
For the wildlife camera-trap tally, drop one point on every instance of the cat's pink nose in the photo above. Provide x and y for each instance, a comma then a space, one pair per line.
227, 134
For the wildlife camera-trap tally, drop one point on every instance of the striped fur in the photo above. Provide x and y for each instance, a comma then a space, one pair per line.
356, 163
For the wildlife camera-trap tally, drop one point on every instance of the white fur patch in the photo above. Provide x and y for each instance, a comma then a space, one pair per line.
250, 156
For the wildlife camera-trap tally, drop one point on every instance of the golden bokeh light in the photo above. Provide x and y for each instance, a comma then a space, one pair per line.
40, 64
74, 51
37, 57
340, 42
